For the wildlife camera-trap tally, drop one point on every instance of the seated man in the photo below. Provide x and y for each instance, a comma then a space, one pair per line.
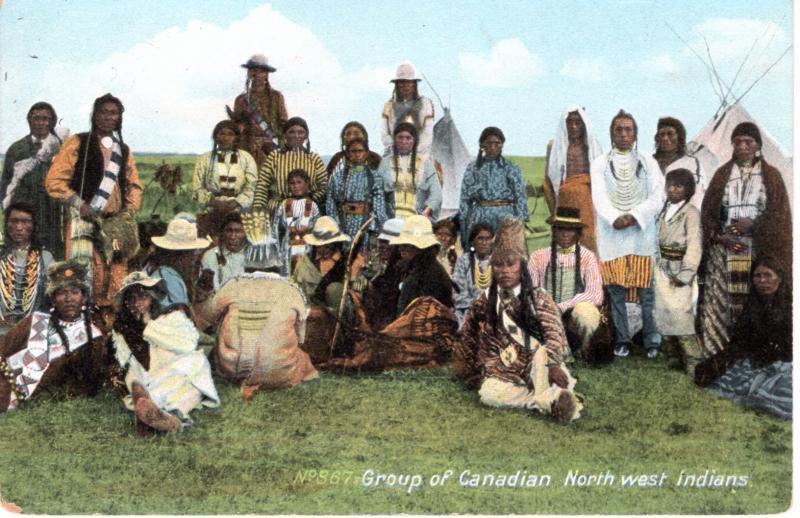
60, 347
513, 339
263, 323
226, 261
23, 267
574, 283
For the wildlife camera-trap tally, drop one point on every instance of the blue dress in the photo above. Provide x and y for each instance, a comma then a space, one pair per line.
491, 194
362, 185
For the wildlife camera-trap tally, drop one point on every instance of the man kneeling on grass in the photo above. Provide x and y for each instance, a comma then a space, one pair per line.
513, 338
57, 347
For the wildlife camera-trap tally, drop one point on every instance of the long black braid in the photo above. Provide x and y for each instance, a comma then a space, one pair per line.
554, 266
410, 128
528, 320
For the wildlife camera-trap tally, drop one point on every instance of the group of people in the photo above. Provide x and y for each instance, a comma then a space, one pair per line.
285, 252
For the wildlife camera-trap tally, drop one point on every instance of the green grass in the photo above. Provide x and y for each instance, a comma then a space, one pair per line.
81, 456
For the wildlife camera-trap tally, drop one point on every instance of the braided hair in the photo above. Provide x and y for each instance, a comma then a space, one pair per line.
224, 124
528, 320
408, 128
297, 121
554, 266
476, 229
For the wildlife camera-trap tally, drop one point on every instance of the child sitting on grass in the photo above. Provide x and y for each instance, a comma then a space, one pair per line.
680, 250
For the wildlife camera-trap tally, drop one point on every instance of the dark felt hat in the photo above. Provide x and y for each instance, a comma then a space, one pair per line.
566, 217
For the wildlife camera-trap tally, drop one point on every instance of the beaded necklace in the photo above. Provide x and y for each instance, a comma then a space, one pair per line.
483, 279
7, 273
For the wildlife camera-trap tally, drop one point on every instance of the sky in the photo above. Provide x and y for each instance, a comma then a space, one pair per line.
511, 64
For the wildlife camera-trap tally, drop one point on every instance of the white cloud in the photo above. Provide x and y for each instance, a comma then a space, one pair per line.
589, 70
508, 64
176, 84
663, 64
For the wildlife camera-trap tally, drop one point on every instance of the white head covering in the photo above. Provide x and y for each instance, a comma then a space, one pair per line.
557, 166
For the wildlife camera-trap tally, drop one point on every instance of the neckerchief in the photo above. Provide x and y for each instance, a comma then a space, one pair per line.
113, 167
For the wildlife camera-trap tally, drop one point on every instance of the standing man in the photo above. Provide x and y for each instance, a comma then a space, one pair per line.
95, 175
627, 192
24, 168
261, 108
406, 105
567, 182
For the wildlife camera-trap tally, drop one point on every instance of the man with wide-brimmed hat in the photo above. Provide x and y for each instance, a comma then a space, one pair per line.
165, 374
513, 340
320, 273
174, 260
570, 273
406, 105
261, 108
57, 347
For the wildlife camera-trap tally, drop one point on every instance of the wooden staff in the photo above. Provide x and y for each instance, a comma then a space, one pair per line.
346, 282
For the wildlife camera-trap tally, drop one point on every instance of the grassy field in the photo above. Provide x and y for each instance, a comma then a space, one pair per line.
306, 450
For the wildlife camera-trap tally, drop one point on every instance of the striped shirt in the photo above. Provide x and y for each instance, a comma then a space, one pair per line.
538, 266
273, 178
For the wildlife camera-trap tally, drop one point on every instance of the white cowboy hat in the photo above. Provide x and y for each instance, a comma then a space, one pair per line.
405, 72
325, 232
391, 228
417, 231
140, 278
259, 61
181, 235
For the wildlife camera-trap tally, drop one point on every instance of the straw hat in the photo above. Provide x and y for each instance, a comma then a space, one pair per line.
141, 279
259, 61
181, 235
325, 232
417, 231
391, 228
405, 72
566, 217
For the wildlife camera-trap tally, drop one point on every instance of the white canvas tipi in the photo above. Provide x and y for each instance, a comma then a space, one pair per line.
452, 155
716, 137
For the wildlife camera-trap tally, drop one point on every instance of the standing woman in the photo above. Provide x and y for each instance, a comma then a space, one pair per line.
356, 192
410, 181
273, 177
745, 214
493, 188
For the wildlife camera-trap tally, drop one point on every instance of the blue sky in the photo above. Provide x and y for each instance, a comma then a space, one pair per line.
513, 64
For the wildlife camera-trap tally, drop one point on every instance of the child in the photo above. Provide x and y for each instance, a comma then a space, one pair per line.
680, 250
300, 212
446, 232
